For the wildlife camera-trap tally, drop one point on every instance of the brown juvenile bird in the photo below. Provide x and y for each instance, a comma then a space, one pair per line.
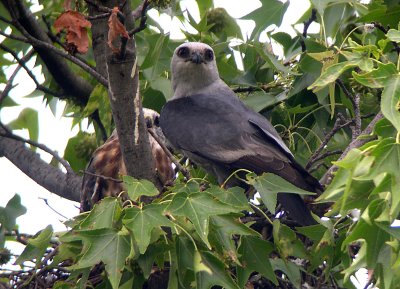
107, 161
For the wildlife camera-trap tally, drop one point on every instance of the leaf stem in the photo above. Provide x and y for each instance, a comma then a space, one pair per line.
348, 35
261, 212
232, 174
398, 137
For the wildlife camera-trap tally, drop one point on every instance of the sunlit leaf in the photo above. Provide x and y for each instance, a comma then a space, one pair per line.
27, 119
210, 271
137, 188
269, 185
108, 246
198, 207
36, 246
391, 101
142, 221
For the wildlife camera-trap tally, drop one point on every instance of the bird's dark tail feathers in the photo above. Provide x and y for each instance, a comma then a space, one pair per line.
296, 208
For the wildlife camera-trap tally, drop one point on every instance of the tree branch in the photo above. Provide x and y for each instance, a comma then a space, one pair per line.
65, 185
8, 133
307, 24
22, 63
9, 84
183, 170
143, 18
124, 94
327, 178
74, 86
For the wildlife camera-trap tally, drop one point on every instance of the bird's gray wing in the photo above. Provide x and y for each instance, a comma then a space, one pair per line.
224, 131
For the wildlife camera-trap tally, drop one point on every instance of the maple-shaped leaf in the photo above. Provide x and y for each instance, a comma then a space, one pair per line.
109, 246
198, 207
142, 221
115, 29
76, 26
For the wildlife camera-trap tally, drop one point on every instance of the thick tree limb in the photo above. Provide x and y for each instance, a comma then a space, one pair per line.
65, 185
124, 94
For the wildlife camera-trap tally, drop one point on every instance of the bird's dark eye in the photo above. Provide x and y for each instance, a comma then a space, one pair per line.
157, 121
208, 55
183, 52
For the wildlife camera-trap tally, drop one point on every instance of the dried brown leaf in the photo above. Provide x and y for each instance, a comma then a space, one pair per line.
116, 29
76, 26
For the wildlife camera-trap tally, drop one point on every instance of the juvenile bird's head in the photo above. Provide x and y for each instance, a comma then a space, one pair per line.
193, 68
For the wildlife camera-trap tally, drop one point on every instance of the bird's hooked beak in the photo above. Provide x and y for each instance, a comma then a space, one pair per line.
197, 58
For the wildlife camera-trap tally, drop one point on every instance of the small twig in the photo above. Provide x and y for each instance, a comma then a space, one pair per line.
245, 89
51, 208
384, 30
357, 116
355, 101
169, 154
327, 178
143, 19
96, 118
22, 238
325, 155
101, 176
99, 16
104, 9
336, 127
42, 44
307, 24
349, 95
8, 133
10, 81
29, 72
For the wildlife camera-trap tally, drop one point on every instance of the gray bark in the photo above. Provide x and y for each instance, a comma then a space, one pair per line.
65, 185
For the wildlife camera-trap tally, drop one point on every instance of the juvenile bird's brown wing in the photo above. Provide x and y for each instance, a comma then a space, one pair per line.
107, 161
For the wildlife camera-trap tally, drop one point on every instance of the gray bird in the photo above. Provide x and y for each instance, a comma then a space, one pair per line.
207, 122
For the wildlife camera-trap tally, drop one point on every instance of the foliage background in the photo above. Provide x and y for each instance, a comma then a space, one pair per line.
333, 91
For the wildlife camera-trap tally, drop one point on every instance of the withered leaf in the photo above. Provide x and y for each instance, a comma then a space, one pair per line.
116, 28
76, 26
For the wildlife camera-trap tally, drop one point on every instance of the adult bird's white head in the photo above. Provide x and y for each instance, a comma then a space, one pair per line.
194, 69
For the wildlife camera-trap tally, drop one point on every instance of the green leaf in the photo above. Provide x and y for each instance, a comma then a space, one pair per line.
393, 35
28, 118
198, 207
260, 100
105, 214
8, 102
221, 230
137, 188
387, 156
271, 12
234, 196
287, 242
78, 151
11, 212
146, 261
289, 269
104, 245
142, 221
269, 185
210, 271
373, 236
36, 246
254, 257
378, 77
332, 73
390, 104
